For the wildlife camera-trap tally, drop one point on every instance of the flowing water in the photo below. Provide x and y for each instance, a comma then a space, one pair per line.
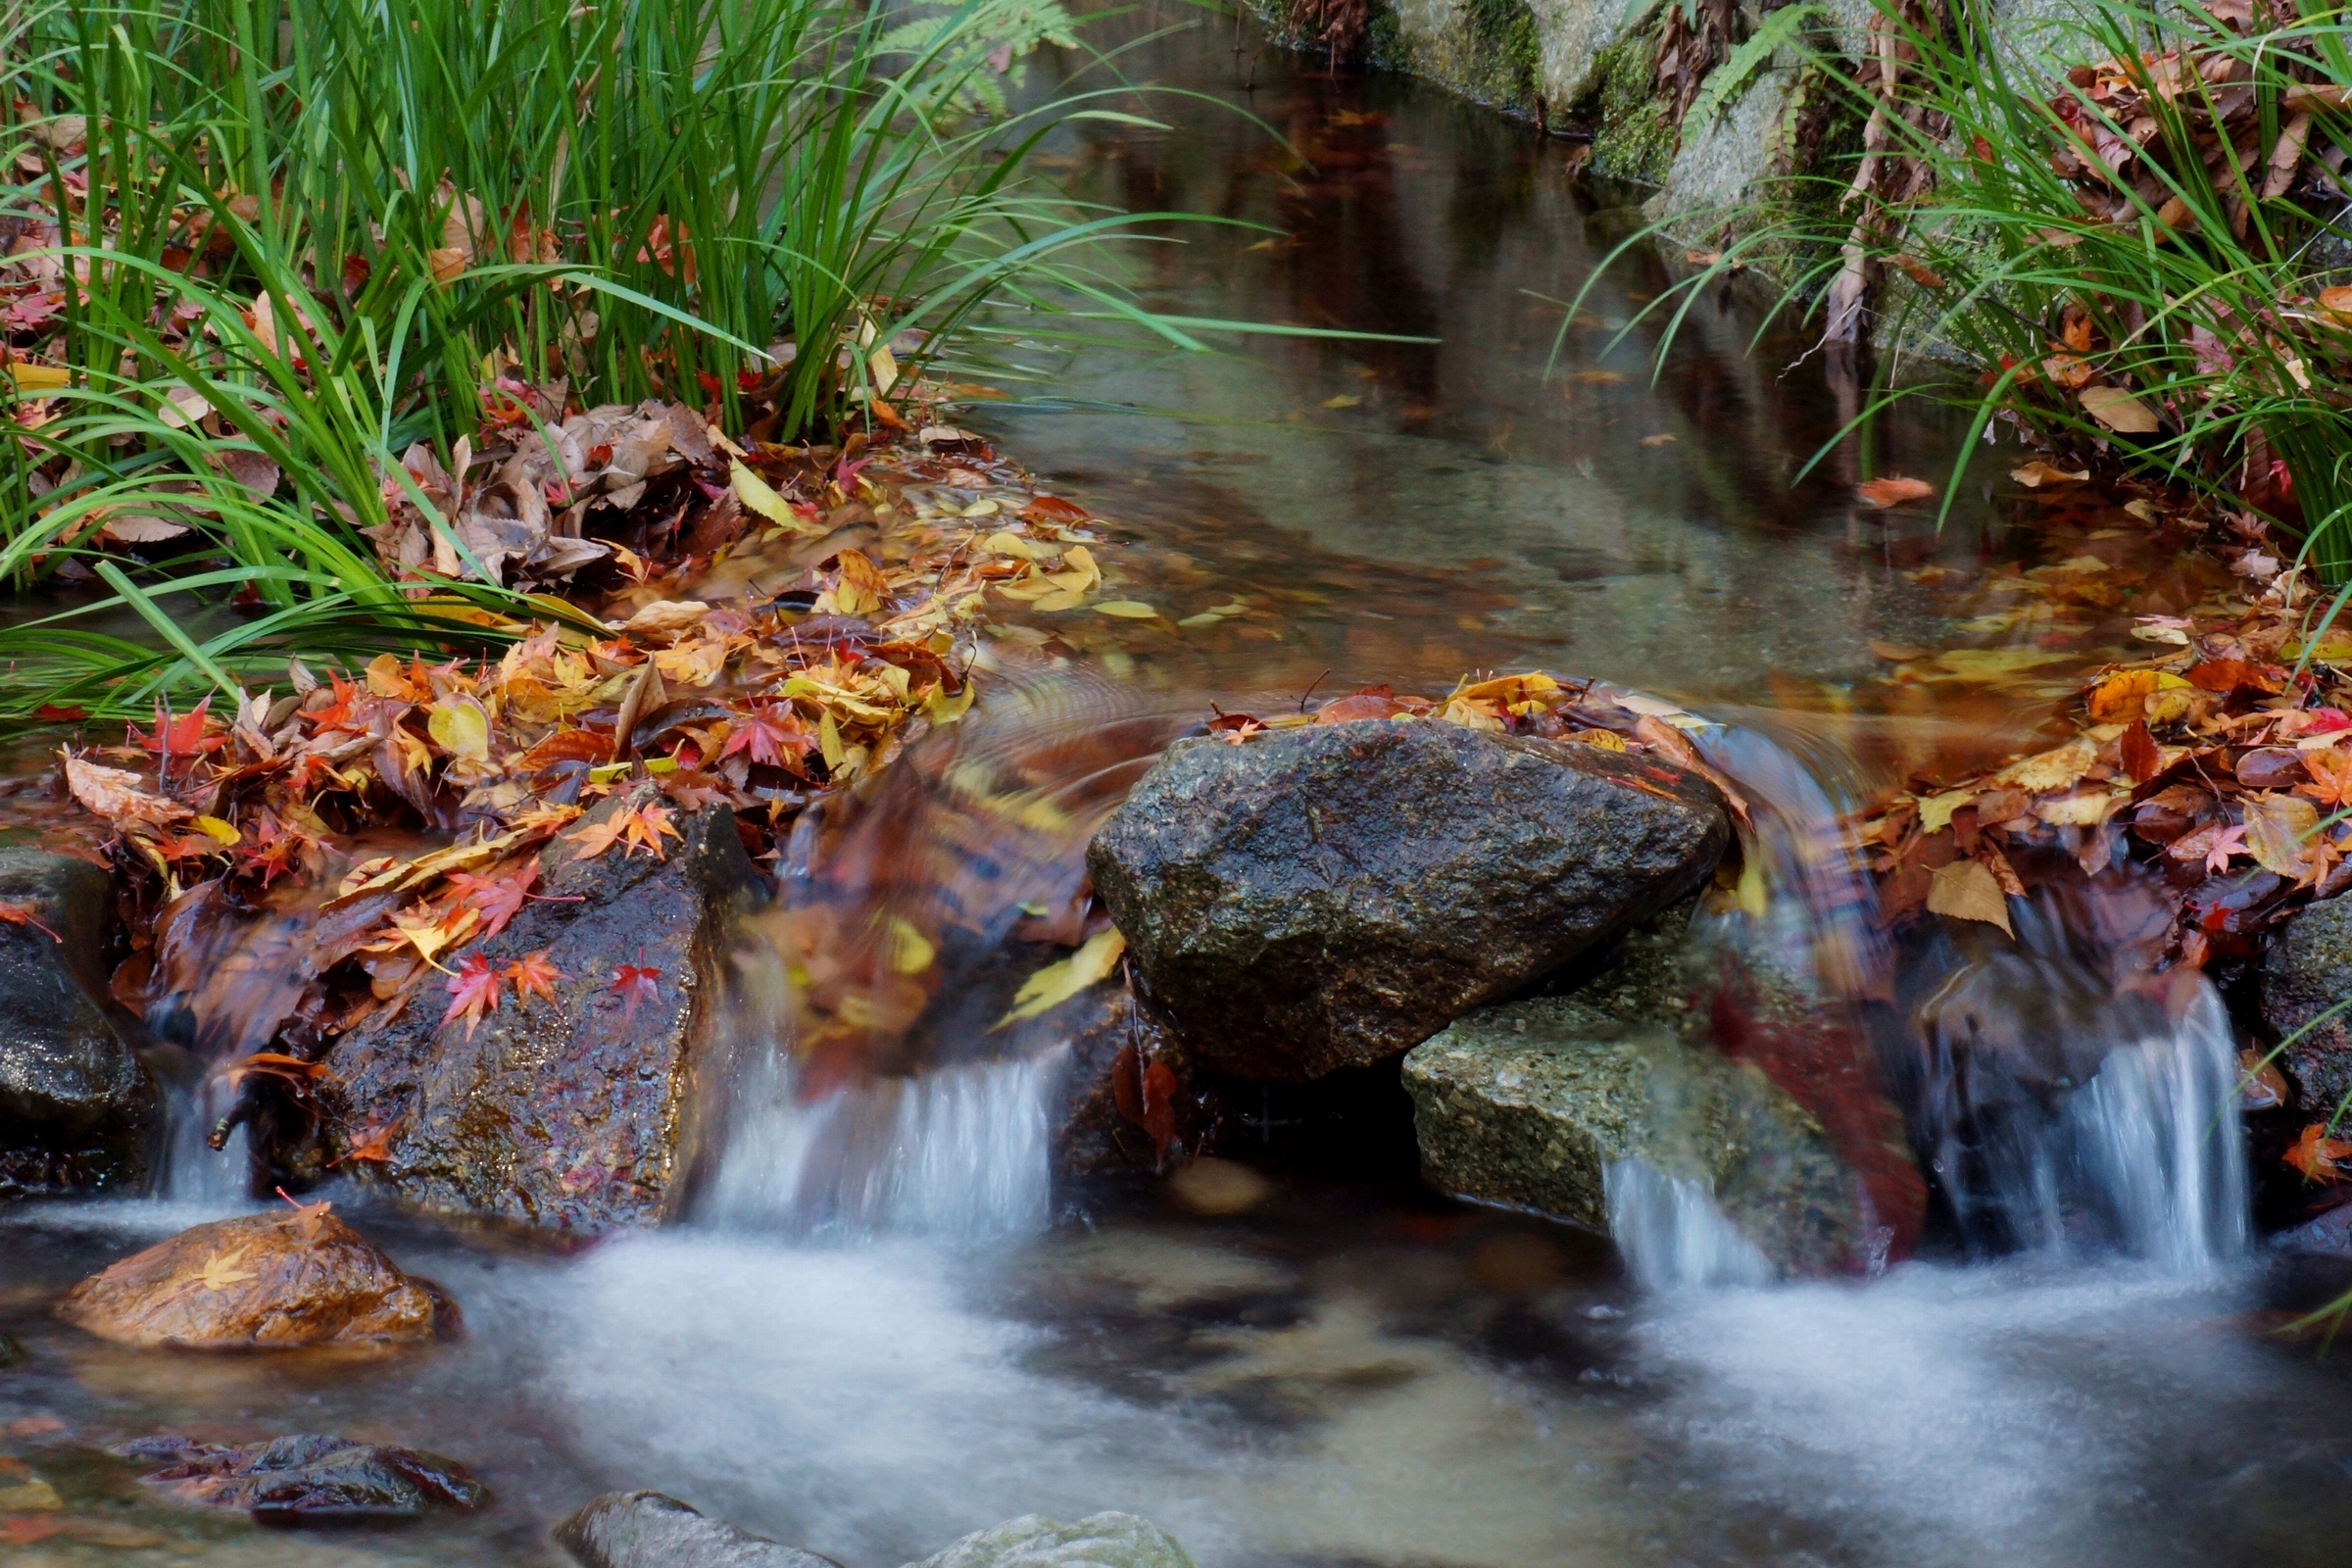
885, 1326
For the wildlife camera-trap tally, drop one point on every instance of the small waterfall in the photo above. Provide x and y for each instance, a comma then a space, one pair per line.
193, 1171
1672, 1234
956, 1152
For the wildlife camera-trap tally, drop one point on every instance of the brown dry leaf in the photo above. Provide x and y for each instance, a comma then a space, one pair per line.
1893, 491
2261, 1086
2119, 410
2143, 758
2034, 475
1966, 890
667, 620
114, 794
1896, 653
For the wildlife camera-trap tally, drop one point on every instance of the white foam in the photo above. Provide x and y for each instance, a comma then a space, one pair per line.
1672, 1234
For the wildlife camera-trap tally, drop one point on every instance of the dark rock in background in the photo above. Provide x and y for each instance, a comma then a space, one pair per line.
1330, 896
649, 1530
78, 1111
308, 1478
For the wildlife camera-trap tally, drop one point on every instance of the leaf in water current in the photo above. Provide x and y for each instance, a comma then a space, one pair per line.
2034, 475
1126, 609
1893, 491
2119, 410
1967, 891
1058, 983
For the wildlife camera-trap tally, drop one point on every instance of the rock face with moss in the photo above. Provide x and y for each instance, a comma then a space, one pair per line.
1330, 896
78, 1111
2307, 973
1530, 1104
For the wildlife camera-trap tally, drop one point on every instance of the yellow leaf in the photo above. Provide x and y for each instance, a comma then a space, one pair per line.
34, 1496
828, 741
1207, 617
944, 710
2279, 829
1988, 663
39, 378
1935, 811
758, 496
1346, 399
2058, 768
911, 952
1967, 891
460, 727
2119, 410
214, 828
1058, 983
1126, 609
221, 1270
2121, 697
2034, 475
1060, 598
1005, 542
2083, 808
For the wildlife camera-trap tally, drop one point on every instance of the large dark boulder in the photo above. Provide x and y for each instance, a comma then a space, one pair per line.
649, 1530
2307, 972
1330, 896
77, 1109
589, 1111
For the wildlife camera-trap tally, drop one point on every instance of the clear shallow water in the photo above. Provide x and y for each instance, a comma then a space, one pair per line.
1348, 1374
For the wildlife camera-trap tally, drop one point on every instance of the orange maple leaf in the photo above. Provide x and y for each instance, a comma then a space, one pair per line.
472, 990
640, 828
2317, 1155
531, 975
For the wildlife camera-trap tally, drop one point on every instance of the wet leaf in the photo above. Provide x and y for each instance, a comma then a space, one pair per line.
2223, 677
2282, 834
532, 975
2331, 770
472, 990
634, 983
1935, 810
909, 951
221, 1270
1058, 983
18, 914
2261, 1086
2142, 759
759, 497
461, 728
1967, 891
1893, 491
2060, 769
2119, 410
2317, 1156
115, 795
2121, 697
1896, 653
1126, 609
636, 829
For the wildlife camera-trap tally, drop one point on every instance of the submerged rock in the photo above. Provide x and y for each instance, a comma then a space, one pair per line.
1330, 896
78, 1110
308, 1477
588, 1112
2307, 972
279, 1279
1099, 1540
1530, 1104
650, 1530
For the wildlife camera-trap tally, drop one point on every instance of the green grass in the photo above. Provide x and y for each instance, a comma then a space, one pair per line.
2195, 289
339, 223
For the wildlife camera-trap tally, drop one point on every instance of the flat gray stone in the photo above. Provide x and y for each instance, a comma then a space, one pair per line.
1099, 1540
652, 1530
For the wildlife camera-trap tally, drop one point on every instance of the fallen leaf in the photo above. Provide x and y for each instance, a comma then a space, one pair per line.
2223, 677
114, 794
17, 915
2119, 410
1896, 653
1935, 811
472, 990
461, 728
2121, 697
2282, 835
2034, 475
2317, 1155
1893, 491
1966, 890
640, 827
1058, 983
2331, 770
2060, 769
2142, 759
221, 1270
1126, 609
2261, 1086
634, 983
1659, 440
531, 975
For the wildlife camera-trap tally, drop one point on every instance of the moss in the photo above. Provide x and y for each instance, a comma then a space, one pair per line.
1510, 58
1633, 138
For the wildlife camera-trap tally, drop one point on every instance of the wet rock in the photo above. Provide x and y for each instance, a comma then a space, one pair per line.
279, 1280
590, 1111
1099, 1540
1328, 897
306, 1478
649, 1530
1126, 1103
1530, 1102
2330, 1235
77, 1109
2308, 971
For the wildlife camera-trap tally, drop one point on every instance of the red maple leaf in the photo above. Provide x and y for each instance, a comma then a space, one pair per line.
531, 975
337, 715
497, 899
18, 914
472, 990
768, 731
271, 852
373, 1145
635, 983
183, 736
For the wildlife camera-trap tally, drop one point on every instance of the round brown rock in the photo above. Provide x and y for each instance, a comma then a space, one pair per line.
273, 1281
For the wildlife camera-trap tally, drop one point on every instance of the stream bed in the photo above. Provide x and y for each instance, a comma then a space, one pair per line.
1324, 1366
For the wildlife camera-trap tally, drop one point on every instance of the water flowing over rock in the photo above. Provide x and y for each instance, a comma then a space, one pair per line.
649, 1530
588, 1112
77, 1109
2305, 974
308, 1477
279, 1279
1330, 896
1541, 1104
1099, 1540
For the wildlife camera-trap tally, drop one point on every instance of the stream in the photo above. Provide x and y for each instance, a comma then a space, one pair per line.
884, 1326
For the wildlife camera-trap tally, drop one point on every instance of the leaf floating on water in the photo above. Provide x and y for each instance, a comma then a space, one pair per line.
911, 952
1659, 440
1126, 609
1058, 983
1967, 891
1893, 491
2119, 410
2261, 1086
2034, 475
1896, 653
1346, 399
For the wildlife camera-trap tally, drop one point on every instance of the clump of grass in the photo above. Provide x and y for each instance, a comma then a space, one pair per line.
278, 241
2138, 257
